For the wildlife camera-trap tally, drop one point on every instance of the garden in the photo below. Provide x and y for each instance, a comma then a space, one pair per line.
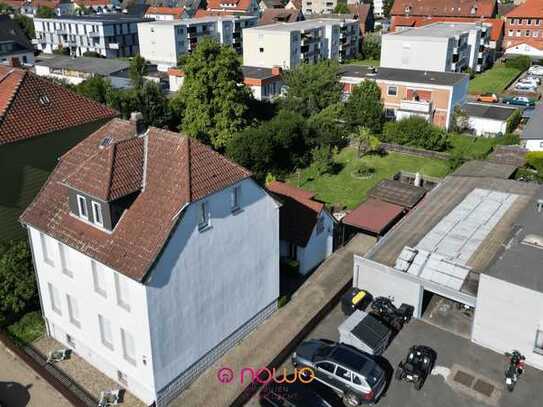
499, 77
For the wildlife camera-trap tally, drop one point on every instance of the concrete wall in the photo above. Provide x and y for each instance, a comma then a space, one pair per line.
208, 283
279, 48
319, 247
534, 145
87, 337
158, 43
507, 317
399, 51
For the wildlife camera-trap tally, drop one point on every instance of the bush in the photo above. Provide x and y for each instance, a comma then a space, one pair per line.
61, 51
29, 328
513, 121
371, 46
520, 62
322, 161
456, 160
534, 159
92, 54
416, 132
508, 139
363, 170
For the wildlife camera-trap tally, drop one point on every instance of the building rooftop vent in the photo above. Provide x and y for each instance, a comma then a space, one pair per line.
533, 240
106, 141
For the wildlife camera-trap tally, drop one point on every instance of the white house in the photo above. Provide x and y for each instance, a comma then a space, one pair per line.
533, 50
306, 228
153, 254
488, 120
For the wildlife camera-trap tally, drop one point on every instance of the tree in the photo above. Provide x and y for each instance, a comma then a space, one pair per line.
45, 12
342, 8
97, 88
371, 46
364, 107
321, 160
137, 71
387, 7
460, 120
312, 88
520, 62
214, 103
328, 126
61, 51
18, 290
150, 101
366, 141
26, 24
416, 132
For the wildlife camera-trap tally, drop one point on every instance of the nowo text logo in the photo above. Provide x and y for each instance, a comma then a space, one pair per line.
265, 375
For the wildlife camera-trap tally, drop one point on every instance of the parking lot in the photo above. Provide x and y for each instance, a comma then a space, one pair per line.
465, 374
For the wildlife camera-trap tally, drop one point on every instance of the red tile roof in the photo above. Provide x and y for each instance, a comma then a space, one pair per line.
361, 11
178, 170
278, 15
92, 3
374, 216
532, 42
13, 3
177, 12
446, 8
532, 8
207, 13
240, 5
31, 106
298, 214
401, 21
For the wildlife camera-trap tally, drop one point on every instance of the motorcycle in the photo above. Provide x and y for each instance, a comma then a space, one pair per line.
395, 317
514, 369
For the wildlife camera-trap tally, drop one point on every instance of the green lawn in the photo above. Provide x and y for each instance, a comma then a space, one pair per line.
493, 80
343, 189
29, 328
369, 62
471, 147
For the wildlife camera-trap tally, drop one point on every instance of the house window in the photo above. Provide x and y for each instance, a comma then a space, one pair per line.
261, 50
510, 33
99, 278
106, 334
538, 346
320, 225
390, 114
82, 206
65, 259
129, 348
55, 299
527, 33
46, 249
73, 310
203, 216
392, 91
234, 198
122, 289
122, 378
97, 213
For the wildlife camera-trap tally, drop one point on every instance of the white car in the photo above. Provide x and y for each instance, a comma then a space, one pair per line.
529, 81
526, 86
536, 70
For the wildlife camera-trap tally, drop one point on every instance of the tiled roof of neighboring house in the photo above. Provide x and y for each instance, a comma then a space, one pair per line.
208, 13
98, 66
531, 8
273, 3
479, 168
298, 214
448, 8
31, 106
239, 5
532, 42
177, 12
10, 32
374, 216
487, 111
361, 11
178, 170
13, 3
91, 3
48, 3
402, 21
398, 193
273, 15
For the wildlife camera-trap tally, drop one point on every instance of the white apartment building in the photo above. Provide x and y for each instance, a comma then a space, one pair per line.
440, 47
378, 10
152, 269
162, 42
320, 6
111, 36
289, 44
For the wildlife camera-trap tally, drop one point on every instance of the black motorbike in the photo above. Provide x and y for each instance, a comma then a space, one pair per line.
417, 365
393, 316
514, 369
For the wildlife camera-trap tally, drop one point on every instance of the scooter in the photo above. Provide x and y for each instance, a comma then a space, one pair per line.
514, 369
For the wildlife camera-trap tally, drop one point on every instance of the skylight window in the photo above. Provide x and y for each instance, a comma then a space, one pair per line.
44, 100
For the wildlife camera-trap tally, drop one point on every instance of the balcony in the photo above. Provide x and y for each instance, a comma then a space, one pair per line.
419, 106
93, 34
113, 45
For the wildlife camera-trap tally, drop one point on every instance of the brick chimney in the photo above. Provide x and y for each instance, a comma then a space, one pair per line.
15, 62
137, 118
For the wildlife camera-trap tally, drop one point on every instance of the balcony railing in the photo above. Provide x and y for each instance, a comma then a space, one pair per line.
422, 106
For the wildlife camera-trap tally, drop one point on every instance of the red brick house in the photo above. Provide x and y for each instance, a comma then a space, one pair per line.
474, 9
524, 29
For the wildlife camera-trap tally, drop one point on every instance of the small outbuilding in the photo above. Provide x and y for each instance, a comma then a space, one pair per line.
398, 193
488, 120
373, 217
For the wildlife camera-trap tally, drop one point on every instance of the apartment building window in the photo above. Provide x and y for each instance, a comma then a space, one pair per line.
97, 213
82, 207
234, 198
122, 289
129, 347
535, 34
203, 216
527, 33
538, 22
65, 259
392, 90
106, 334
46, 249
519, 33
55, 299
73, 310
538, 346
529, 21
261, 50
510, 33
99, 278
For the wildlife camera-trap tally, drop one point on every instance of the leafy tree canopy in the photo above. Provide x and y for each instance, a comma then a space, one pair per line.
137, 71
416, 132
342, 8
45, 12
364, 107
371, 46
328, 126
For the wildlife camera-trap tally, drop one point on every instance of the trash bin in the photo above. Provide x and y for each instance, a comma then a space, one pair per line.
354, 299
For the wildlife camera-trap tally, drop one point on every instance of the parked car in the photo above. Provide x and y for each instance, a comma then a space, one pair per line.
530, 87
353, 374
530, 80
297, 394
536, 70
487, 98
519, 101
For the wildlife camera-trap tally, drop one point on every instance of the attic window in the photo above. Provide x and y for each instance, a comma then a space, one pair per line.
106, 141
82, 206
44, 100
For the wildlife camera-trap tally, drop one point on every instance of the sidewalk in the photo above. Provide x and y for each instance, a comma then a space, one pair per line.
266, 345
21, 386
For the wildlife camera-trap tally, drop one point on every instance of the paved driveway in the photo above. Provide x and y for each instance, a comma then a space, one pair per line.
21, 386
454, 354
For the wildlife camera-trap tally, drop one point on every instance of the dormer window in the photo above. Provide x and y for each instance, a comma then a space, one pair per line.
97, 214
82, 206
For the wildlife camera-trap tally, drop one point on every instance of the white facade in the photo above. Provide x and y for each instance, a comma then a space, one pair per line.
487, 127
289, 44
525, 49
162, 42
533, 145
441, 47
198, 295
75, 78
320, 6
24, 58
378, 8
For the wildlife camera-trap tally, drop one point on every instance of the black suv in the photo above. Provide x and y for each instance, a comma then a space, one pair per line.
353, 374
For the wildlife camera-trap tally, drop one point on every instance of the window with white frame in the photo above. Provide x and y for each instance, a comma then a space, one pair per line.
392, 90
47, 249
82, 207
203, 215
99, 278
106, 333
234, 198
54, 298
538, 345
129, 347
97, 213
123, 293
65, 259
73, 310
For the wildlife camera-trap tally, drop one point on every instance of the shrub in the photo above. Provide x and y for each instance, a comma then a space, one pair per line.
535, 160
513, 121
322, 161
92, 54
508, 139
520, 62
416, 132
29, 328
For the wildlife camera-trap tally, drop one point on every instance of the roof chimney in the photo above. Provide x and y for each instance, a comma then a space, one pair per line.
15, 62
137, 119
